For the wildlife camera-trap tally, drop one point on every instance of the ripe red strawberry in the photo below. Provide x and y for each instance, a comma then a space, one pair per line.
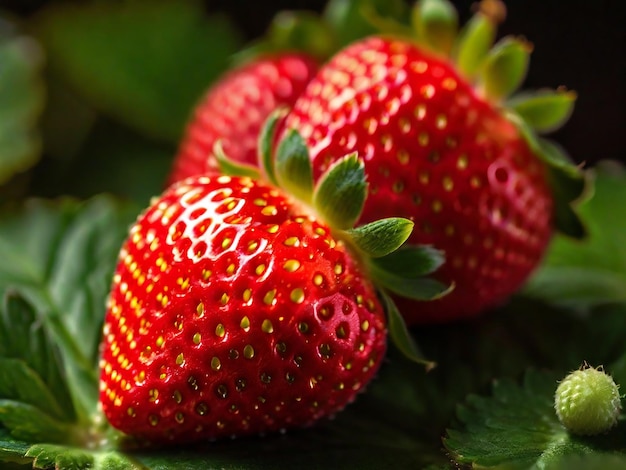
235, 107
440, 150
234, 311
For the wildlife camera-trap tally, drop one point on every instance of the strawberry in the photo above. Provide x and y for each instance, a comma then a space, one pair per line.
234, 108
235, 310
442, 150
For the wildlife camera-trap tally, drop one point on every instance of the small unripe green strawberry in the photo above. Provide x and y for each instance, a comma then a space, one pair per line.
587, 401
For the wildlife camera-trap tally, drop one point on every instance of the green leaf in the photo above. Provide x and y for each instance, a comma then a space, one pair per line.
21, 384
60, 257
231, 167
544, 110
293, 166
505, 68
400, 336
341, 192
28, 352
592, 271
473, 43
45, 456
381, 237
21, 102
145, 63
12, 449
517, 427
31, 423
436, 23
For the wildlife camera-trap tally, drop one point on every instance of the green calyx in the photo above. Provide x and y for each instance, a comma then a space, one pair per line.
338, 198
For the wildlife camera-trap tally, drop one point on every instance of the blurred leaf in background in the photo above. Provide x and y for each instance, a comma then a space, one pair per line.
592, 271
22, 99
122, 79
144, 63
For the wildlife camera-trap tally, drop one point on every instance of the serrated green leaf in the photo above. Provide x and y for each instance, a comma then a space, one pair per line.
12, 449
51, 456
593, 271
293, 167
505, 68
517, 427
32, 424
21, 384
340, 193
22, 98
436, 23
544, 110
60, 257
381, 237
24, 339
121, 56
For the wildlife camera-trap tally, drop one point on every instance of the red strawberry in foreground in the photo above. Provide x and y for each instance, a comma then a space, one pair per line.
235, 108
441, 150
234, 310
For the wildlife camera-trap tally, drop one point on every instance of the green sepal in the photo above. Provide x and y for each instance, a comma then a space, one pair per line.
436, 23
474, 43
381, 237
505, 68
416, 288
228, 166
266, 144
351, 19
303, 31
568, 182
412, 261
340, 194
292, 167
400, 335
544, 110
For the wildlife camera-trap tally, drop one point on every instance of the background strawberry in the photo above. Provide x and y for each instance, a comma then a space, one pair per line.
235, 107
441, 150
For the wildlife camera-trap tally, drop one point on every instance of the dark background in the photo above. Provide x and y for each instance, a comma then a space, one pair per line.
578, 44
